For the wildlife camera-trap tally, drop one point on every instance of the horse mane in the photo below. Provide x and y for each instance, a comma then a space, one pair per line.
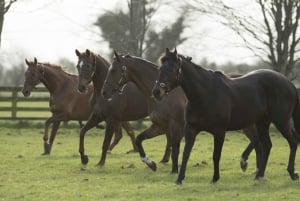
54, 66
99, 57
139, 59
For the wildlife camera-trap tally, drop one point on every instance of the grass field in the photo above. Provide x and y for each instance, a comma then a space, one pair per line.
26, 175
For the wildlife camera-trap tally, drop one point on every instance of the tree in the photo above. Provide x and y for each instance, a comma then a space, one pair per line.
132, 32
274, 37
4, 7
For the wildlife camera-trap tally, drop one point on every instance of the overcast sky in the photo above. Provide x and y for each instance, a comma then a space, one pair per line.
53, 29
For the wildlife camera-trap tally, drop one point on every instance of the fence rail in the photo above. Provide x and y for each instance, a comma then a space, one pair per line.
13, 106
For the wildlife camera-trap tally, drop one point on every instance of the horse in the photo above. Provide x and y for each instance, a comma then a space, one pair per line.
65, 102
167, 116
128, 106
217, 104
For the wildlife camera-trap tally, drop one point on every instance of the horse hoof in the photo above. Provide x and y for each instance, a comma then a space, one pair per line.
152, 166
178, 182
164, 161
244, 165
84, 159
295, 177
100, 163
131, 151
45, 154
258, 178
46, 148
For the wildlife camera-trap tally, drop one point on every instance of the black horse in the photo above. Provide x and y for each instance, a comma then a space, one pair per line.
217, 104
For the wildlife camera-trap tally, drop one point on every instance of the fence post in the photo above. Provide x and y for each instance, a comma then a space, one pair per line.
14, 103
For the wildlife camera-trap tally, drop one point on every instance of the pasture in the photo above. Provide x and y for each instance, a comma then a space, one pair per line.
26, 175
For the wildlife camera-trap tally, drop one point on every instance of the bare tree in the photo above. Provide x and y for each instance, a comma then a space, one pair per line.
274, 37
4, 7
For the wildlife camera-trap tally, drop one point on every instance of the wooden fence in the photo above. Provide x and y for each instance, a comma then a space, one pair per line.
14, 106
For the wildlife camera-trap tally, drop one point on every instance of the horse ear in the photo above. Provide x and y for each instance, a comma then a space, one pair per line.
116, 55
167, 50
175, 51
35, 61
77, 52
88, 52
26, 61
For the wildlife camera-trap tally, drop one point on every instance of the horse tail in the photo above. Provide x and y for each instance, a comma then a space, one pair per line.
296, 119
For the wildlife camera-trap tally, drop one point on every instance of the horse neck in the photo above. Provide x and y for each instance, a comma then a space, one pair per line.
143, 74
53, 78
196, 83
100, 74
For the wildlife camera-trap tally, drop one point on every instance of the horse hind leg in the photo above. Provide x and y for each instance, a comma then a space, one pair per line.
117, 138
266, 145
288, 134
167, 153
130, 132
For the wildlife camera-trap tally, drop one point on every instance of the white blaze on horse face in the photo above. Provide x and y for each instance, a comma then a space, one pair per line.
80, 64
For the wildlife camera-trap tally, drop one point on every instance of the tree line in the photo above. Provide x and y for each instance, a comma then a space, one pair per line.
274, 37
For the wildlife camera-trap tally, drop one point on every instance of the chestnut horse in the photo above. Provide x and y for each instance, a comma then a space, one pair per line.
129, 106
66, 103
167, 116
217, 103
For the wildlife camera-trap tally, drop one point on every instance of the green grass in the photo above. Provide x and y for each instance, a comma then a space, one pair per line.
26, 175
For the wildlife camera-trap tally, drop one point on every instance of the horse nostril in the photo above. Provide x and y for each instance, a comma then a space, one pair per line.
82, 88
162, 85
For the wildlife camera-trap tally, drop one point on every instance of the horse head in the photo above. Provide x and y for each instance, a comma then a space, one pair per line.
168, 77
33, 76
116, 78
86, 68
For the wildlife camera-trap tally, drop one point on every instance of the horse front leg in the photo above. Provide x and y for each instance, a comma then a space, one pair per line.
110, 128
45, 137
55, 127
219, 137
150, 132
92, 122
190, 136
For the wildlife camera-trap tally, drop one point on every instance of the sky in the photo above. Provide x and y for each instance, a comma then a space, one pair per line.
53, 29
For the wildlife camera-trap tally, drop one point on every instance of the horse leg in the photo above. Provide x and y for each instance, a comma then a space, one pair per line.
190, 136
176, 135
130, 132
219, 137
288, 134
251, 134
110, 128
45, 137
117, 138
150, 132
92, 122
266, 145
55, 127
167, 153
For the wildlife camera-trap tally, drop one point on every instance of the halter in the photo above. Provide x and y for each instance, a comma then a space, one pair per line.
123, 79
178, 76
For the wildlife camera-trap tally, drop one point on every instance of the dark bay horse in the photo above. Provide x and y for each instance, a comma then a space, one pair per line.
66, 103
129, 106
217, 104
167, 116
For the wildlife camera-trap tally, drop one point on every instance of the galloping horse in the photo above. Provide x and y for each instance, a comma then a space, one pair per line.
66, 103
167, 115
218, 104
123, 107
